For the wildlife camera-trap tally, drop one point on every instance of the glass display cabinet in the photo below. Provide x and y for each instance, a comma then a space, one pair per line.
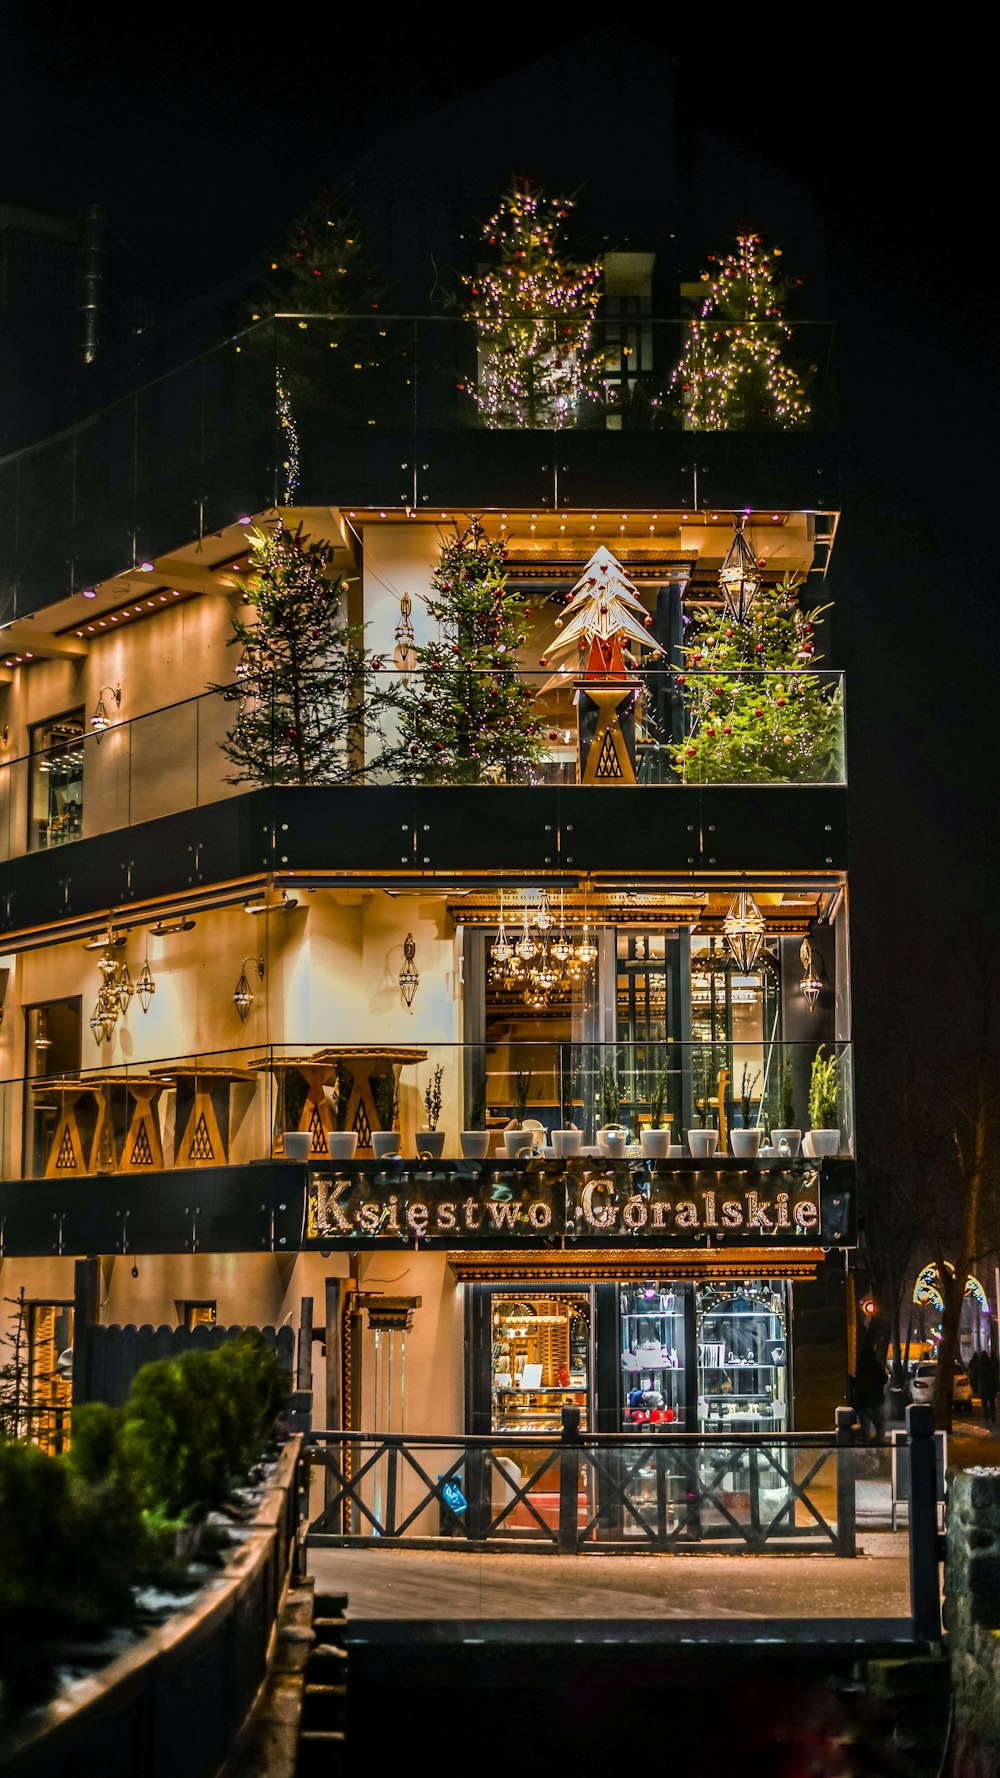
743, 1356
653, 1357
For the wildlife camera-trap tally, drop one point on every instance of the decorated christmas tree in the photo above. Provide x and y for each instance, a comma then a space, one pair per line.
732, 374
333, 348
756, 709
466, 716
533, 307
318, 267
310, 708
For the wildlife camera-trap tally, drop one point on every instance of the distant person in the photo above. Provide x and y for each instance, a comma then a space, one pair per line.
869, 1394
975, 1370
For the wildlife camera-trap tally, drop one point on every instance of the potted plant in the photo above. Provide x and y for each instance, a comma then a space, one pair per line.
824, 1119
746, 1141
341, 1141
613, 1134
567, 1140
783, 1131
476, 1139
430, 1140
385, 1093
518, 1137
702, 1138
654, 1140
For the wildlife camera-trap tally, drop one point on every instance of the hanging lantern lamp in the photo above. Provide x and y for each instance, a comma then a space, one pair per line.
739, 577
743, 930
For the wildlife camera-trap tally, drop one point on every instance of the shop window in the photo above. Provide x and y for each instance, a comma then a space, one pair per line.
57, 1125
648, 1022
56, 795
743, 1358
734, 1032
654, 1366
541, 1360
200, 1314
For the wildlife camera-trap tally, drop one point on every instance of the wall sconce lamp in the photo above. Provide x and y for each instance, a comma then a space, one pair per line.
259, 904
100, 719
409, 975
243, 994
811, 983
739, 577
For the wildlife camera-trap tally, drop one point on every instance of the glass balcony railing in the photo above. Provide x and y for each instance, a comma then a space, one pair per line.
236, 1106
374, 410
758, 728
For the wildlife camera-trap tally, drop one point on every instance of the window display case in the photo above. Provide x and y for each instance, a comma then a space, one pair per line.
653, 1356
743, 1356
541, 1361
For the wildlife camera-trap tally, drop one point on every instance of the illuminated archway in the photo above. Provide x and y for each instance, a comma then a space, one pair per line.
927, 1289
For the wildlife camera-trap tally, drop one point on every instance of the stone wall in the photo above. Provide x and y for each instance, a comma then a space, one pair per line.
972, 1620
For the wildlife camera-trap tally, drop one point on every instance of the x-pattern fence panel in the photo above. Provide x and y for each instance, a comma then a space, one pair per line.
591, 1494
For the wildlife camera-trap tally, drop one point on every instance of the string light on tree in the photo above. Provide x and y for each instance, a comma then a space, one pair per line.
533, 308
732, 373
756, 711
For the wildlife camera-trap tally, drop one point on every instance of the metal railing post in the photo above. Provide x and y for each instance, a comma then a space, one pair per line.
569, 1481
478, 1491
847, 1538
925, 1580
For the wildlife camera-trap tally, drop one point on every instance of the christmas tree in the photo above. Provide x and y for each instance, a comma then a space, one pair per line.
318, 267
534, 309
309, 707
732, 374
332, 348
466, 716
603, 604
757, 712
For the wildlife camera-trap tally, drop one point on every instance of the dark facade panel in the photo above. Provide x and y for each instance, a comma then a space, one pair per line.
426, 828
785, 470
202, 1210
625, 469
489, 470
774, 827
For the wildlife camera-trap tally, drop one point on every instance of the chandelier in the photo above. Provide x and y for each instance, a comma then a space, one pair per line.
544, 960
743, 930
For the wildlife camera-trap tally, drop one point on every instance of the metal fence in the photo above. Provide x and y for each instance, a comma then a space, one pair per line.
587, 1493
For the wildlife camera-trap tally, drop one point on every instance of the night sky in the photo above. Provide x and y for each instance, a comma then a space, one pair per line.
203, 133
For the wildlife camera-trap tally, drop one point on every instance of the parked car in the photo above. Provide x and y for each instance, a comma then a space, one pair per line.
923, 1378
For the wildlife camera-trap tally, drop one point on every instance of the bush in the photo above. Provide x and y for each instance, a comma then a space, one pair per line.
194, 1425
